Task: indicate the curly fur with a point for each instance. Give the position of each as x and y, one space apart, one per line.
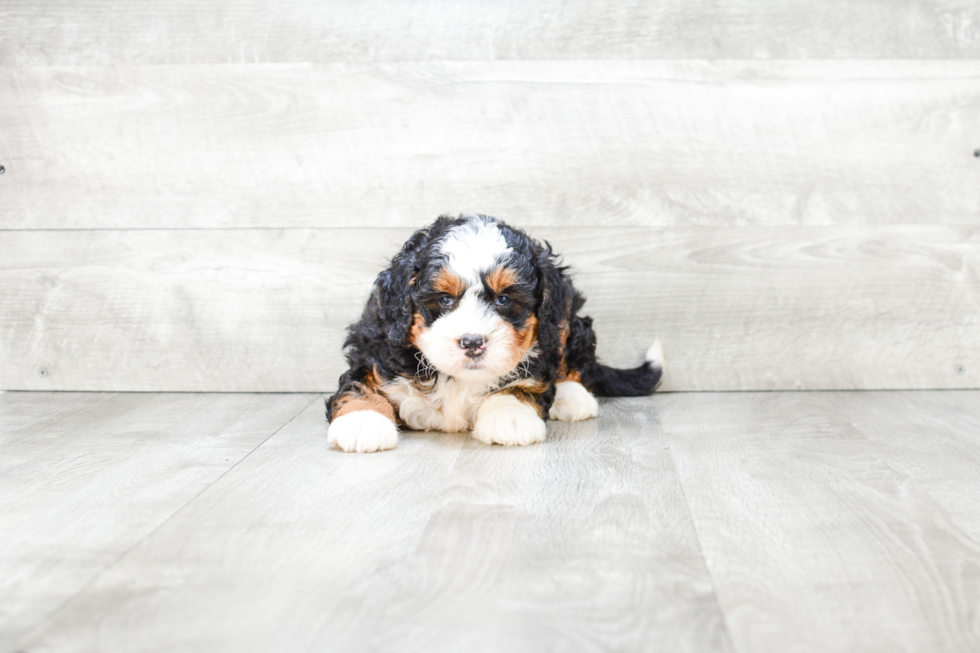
384 350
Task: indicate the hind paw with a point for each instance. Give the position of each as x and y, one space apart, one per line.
573 403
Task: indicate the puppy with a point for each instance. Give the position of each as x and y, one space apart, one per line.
473 326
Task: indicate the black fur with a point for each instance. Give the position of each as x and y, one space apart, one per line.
599 379
378 346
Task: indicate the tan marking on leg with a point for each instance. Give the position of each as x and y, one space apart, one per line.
371 401
373 380
570 375
530 386
563 332
339 403
525 397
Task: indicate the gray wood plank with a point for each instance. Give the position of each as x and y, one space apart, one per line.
826 520
265 310
85 477
582 143
811 308
183 310
217 31
582 543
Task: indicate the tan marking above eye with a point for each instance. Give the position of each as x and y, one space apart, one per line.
446 281
500 279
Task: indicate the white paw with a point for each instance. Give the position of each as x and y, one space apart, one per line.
573 403
363 431
504 419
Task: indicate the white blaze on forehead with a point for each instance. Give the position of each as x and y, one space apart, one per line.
473 248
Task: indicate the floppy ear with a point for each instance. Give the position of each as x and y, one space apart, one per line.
555 291
394 287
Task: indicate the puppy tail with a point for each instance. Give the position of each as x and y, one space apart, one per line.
643 380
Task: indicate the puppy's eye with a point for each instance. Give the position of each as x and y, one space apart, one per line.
446 300
503 300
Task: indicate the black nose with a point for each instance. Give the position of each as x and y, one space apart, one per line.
472 344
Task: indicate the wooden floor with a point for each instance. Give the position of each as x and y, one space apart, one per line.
835 521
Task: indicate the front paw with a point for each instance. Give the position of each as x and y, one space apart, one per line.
506 420
363 431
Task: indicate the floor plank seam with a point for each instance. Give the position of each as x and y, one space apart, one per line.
61 606
704 561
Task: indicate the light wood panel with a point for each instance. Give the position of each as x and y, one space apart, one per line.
265 310
84 478
582 543
219 31
581 143
756 522
183 310
828 521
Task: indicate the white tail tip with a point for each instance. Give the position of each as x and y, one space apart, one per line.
655 354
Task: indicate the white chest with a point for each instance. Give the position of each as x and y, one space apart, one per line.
449 404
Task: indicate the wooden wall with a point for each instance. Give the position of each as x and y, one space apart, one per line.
198 195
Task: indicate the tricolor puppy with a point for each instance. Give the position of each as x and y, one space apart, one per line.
473 326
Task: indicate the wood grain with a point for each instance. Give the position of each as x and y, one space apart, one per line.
584 143
582 543
84 478
90 32
183 310
789 309
265 310
760 522
827 521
